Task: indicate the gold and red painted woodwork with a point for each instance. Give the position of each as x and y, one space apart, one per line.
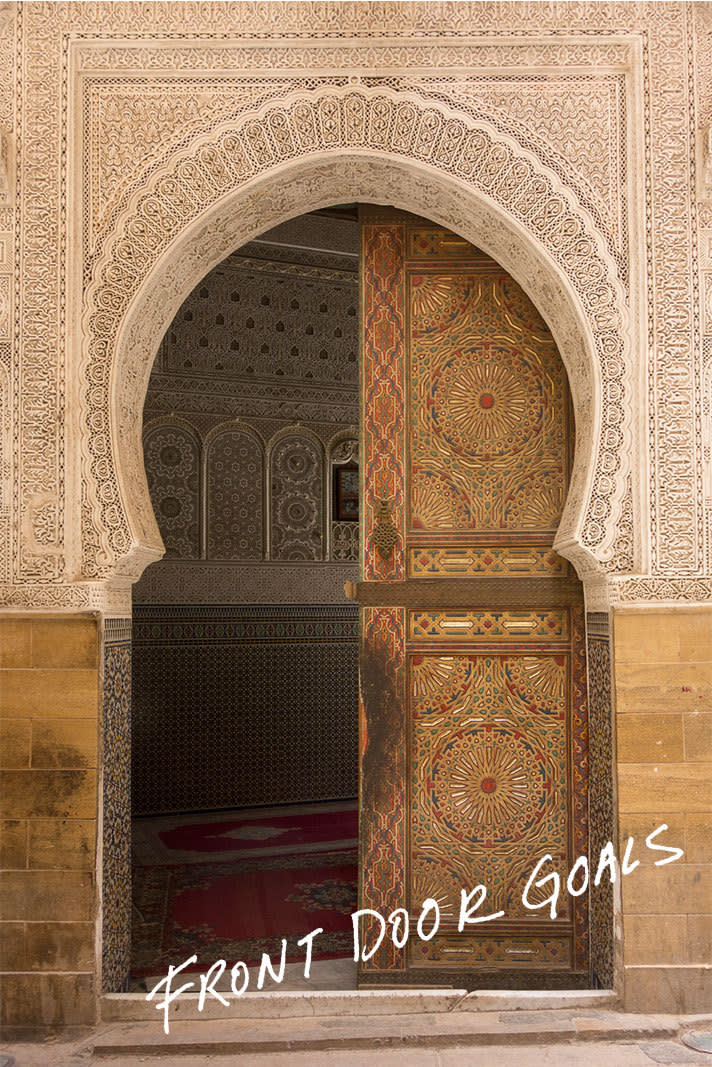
467 451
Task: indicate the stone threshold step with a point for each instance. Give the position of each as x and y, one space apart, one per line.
428 1030
277 1004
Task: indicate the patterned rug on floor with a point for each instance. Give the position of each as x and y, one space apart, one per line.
251 879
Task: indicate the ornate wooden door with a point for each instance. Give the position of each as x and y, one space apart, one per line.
473 716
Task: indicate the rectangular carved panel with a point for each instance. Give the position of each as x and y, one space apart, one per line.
466 625
504 950
471 561
489 780
488 405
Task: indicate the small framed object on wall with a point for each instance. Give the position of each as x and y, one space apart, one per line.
346 494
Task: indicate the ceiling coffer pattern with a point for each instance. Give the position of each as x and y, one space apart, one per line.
257 320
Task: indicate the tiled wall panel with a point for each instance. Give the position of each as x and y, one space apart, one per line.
240 706
116 826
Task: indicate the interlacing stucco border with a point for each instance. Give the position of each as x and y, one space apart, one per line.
321 147
667 111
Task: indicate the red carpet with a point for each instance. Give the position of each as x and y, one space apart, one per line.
174 839
243 903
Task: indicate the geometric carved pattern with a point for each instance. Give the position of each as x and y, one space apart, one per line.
264 737
297 492
473 151
232 500
488 406
463 626
344 541
581 118
172 469
116 806
234 490
269 582
489 737
468 560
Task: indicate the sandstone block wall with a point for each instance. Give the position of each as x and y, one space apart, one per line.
663 687
49 722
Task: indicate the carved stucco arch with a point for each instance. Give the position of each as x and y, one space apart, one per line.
232 425
176 422
307 434
326 147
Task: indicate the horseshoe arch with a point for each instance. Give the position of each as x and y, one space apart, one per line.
313 150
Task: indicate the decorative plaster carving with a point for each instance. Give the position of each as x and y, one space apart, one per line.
5 171
296 477
297 401
663 54
641 590
702 59
234 494
172 457
344 447
706 168
481 158
676 519
538 54
39 371
344 540
5 307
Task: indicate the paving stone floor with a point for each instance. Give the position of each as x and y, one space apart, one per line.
74 1053
645 1054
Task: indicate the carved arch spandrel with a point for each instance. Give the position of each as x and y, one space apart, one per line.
319 149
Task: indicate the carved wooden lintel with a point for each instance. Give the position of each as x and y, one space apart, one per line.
490 593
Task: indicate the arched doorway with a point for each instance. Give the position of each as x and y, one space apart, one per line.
490 191
189 215
465 601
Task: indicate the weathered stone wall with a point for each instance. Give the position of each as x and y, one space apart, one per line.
663 683
49 731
